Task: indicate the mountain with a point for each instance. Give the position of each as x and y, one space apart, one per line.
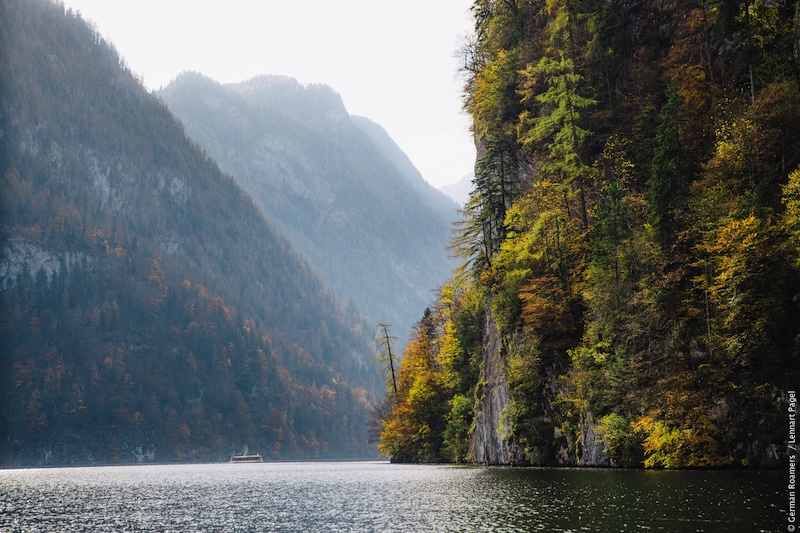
150 312
460 190
427 193
336 186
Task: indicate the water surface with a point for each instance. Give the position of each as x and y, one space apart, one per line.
376 496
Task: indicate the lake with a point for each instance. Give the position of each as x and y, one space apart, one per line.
378 496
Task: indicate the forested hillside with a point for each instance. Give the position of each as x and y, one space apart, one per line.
148 310
631 251
336 186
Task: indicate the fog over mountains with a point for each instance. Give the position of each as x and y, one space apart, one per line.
460 190
337 186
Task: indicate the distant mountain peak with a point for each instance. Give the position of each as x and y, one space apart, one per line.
265 81
284 92
337 186
460 190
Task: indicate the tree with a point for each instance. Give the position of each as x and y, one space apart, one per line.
386 357
496 185
628 231
791 217
414 430
669 177
553 82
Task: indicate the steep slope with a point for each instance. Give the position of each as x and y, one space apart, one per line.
149 311
631 245
427 193
337 186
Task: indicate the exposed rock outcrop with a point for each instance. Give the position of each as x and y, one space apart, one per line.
492 442
487 445
592 451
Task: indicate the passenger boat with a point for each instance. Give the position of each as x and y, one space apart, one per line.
245 458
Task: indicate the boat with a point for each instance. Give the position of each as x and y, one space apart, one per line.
247 458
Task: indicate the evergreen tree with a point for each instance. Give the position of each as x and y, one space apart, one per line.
670 171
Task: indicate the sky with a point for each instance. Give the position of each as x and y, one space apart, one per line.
394 62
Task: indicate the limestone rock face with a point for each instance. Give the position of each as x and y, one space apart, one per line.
592 451
487 444
492 443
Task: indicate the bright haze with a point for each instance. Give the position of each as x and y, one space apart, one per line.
395 63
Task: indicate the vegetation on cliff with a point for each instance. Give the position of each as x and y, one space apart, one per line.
633 232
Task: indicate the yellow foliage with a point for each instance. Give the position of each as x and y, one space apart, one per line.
395 436
487 103
662 444
542 260
449 351
666 446
735 243
791 218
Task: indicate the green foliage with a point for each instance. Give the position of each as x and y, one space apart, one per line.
646 271
481 231
523 414
621 441
670 172
459 425
791 200
494 93
560 130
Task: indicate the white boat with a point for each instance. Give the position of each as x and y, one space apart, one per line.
247 458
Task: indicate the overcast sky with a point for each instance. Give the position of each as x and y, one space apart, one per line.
393 62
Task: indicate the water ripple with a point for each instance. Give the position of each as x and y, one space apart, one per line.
375 496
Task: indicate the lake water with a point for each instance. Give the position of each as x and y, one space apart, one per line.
376 496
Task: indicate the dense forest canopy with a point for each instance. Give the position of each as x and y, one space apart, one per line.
631 245
148 310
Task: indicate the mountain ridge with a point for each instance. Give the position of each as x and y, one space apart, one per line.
460 190
337 186
151 313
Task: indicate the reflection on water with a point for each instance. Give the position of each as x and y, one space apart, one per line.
375 496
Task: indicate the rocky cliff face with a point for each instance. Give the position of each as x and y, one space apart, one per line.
492 442
592 452
488 444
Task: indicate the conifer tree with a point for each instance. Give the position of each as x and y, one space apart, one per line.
669 173
386 357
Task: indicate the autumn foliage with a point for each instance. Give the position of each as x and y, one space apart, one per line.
633 230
